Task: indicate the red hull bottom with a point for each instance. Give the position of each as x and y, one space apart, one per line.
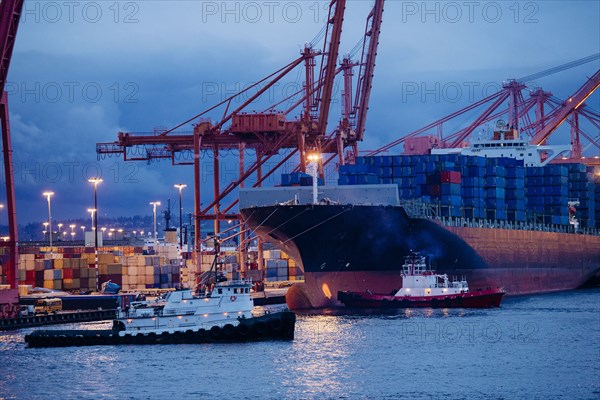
479 299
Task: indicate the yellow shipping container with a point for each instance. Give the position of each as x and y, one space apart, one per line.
106 258
24 290
58 263
48 284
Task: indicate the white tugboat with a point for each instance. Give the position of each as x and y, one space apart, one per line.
182 311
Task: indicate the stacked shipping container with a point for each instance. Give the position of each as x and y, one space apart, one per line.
477 187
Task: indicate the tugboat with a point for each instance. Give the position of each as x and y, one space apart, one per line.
220 312
181 311
423 287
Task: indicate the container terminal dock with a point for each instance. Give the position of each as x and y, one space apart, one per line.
446 169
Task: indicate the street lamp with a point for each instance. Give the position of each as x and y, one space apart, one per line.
60 225
95 181
48 195
72 226
45 229
154 204
83 233
180 186
1 207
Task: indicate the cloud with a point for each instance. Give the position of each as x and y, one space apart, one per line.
79 78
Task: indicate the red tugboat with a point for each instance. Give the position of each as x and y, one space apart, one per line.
423 287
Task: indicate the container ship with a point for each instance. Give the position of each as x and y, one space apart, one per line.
501 212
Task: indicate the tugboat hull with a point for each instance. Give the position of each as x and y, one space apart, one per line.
488 298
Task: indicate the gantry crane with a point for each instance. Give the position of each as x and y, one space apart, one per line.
269 131
548 111
10 14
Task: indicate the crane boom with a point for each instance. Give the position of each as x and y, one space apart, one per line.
10 14
572 104
367 69
328 72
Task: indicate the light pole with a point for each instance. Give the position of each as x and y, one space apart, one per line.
60 225
83 234
45 229
180 186
1 207
48 195
95 181
72 226
92 211
154 204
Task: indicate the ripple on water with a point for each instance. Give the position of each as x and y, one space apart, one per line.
532 347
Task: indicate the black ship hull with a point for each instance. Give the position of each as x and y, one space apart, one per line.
355 248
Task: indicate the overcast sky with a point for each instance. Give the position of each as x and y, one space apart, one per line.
83 71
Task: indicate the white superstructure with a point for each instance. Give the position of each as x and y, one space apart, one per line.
182 311
506 142
419 280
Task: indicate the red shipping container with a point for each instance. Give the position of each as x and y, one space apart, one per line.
450 177
30 276
67 273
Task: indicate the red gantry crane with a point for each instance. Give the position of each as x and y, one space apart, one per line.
267 132
10 14
537 116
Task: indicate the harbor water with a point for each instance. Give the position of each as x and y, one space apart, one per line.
534 347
